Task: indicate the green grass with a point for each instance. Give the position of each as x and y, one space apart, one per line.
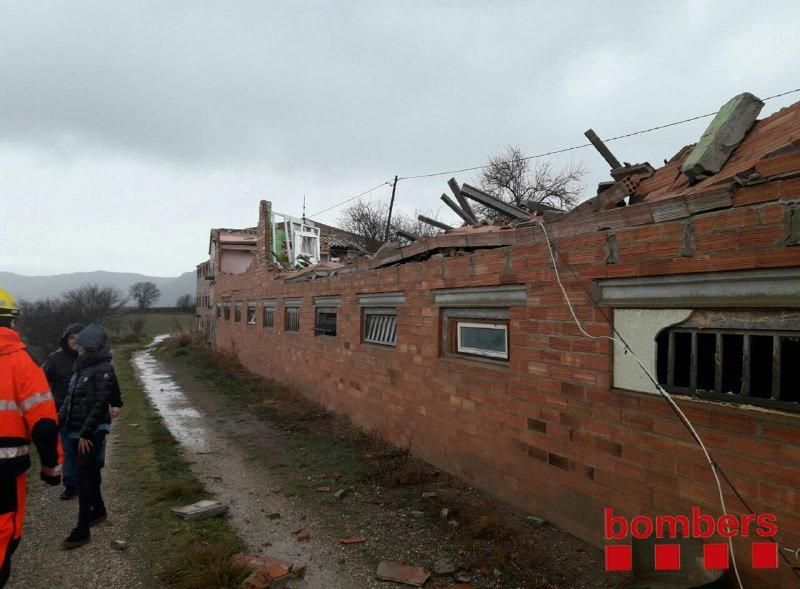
184 554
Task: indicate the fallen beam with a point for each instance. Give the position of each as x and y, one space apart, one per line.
434 222
601 147
453 184
456 209
406 235
493 203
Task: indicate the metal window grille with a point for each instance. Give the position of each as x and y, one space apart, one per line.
380 327
251 314
237 313
325 324
227 312
219 311
292 322
268 318
743 366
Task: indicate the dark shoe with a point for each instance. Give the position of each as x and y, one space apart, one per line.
98 518
69 493
77 537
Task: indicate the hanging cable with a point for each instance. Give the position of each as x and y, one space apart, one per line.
659 388
352 198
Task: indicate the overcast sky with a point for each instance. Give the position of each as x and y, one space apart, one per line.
128 129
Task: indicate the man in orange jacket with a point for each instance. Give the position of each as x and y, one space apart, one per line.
27 412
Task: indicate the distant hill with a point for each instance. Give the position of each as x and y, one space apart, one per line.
39 287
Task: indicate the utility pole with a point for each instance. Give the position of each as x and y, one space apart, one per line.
391 206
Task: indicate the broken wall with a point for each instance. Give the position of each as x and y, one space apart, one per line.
548 432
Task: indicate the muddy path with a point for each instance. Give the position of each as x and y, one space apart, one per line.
215 438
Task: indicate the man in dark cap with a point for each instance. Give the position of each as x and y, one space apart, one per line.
59 368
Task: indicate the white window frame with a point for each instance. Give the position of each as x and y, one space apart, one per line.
478 351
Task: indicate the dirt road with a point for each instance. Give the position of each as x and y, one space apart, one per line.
213 438
39 561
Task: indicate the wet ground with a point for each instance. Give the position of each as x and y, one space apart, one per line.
211 438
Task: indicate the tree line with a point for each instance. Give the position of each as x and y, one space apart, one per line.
42 321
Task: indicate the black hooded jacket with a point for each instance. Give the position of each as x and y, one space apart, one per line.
59 365
93 386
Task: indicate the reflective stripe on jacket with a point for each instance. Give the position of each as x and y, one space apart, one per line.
27 409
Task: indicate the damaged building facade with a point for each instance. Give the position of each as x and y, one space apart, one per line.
463 348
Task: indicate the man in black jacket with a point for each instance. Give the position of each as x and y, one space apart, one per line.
85 414
59 368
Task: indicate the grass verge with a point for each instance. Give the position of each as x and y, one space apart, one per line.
184 554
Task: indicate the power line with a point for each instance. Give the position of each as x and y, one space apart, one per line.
543 154
583 145
351 198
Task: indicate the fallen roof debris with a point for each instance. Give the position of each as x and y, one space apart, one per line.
200 510
401 573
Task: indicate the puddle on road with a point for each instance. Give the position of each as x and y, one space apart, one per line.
183 421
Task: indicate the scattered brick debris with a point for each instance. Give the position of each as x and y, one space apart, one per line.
443 567
324 489
274 576
302 536
200 510
401 573
332 475
353 540
253 562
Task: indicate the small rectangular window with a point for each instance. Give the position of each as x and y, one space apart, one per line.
251 314
292 319
482 339
219 311
227 312
268 317
237 313
479 333
380 327
325 323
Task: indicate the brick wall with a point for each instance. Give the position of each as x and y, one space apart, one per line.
547 433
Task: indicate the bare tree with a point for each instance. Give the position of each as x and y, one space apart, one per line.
512 178
42 322
144 294
185 302
368 219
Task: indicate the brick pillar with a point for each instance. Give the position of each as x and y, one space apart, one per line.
264 249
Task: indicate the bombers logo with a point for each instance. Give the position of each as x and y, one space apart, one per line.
618 557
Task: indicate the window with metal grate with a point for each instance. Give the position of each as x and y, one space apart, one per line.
325 324
730 362
292 319
380 327
268 317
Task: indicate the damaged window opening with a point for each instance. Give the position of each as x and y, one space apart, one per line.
752 366
237 313
326 322
219 311
292 322
226 310
478 334
251 314
380 327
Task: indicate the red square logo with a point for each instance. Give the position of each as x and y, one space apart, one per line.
765 555
715 556
619 557
668 557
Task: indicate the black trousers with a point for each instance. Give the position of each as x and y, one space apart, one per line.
90 464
